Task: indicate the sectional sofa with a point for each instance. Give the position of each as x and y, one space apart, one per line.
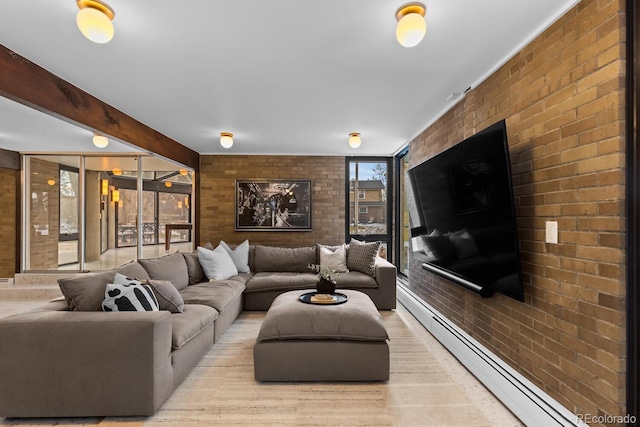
69 358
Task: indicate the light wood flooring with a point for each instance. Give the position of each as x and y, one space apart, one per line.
427 387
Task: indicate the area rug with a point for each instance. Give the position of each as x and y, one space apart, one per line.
427 387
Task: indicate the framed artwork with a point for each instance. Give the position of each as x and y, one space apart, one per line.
273 204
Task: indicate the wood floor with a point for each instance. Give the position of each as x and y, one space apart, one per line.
427 387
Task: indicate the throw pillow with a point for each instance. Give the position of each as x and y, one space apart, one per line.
239 255
167 295
85 293
131 297
362 257
121 279
194 269
333 258
216 264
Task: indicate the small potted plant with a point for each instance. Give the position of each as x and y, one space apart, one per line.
326 278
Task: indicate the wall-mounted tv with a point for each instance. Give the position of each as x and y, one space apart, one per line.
463 217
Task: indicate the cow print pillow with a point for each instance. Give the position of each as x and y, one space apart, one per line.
129 297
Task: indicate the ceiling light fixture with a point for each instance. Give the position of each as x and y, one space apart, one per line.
100 141
184 172
94 20
51 181
116 171
226 139
354 140
411 26
168 184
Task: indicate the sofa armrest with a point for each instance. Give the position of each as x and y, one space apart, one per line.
386 279
69 363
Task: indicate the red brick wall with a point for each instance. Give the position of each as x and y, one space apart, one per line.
563 100
217 197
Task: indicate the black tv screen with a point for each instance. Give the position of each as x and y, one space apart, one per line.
464 216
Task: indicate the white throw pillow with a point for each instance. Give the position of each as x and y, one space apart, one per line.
336 259
129 297
216 264
239 255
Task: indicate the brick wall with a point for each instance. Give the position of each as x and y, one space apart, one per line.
217 197
9 186
563 100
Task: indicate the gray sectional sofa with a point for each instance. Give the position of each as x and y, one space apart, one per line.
70 359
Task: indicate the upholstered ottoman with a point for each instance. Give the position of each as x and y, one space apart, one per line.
307 342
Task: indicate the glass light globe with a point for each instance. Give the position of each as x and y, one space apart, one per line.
100 141
411 29
94 25
226 140
354 140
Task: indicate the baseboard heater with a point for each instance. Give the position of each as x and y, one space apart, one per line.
484 291
527 401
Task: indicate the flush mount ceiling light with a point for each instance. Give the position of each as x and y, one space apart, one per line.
94 20
411 24
226 139
100 141
116 171
354 140
184 172
168 184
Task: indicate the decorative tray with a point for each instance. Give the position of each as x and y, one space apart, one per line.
318 298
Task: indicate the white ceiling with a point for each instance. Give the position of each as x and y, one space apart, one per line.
285 76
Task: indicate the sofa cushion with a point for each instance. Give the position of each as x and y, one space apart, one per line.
194 269
189 323
356 320
239 255
168 296
85 293
216 264
362 257
272 281
170 267
129 297
284 259
219 294
133 270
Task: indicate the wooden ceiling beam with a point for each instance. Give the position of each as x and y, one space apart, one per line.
27 83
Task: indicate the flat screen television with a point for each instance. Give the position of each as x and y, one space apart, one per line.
463 218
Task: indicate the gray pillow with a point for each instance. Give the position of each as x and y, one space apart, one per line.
167 295
362 257
171 267
85 293
216 264
239 255
194 269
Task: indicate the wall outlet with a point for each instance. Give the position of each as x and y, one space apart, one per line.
551 235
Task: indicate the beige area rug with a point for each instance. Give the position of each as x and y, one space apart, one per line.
427 387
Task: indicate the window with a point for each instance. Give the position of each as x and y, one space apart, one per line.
369 214
403 238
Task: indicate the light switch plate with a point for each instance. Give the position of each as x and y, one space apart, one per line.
551 235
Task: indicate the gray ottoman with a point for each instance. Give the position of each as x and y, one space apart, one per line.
306 342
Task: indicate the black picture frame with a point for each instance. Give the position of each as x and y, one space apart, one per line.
273 205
